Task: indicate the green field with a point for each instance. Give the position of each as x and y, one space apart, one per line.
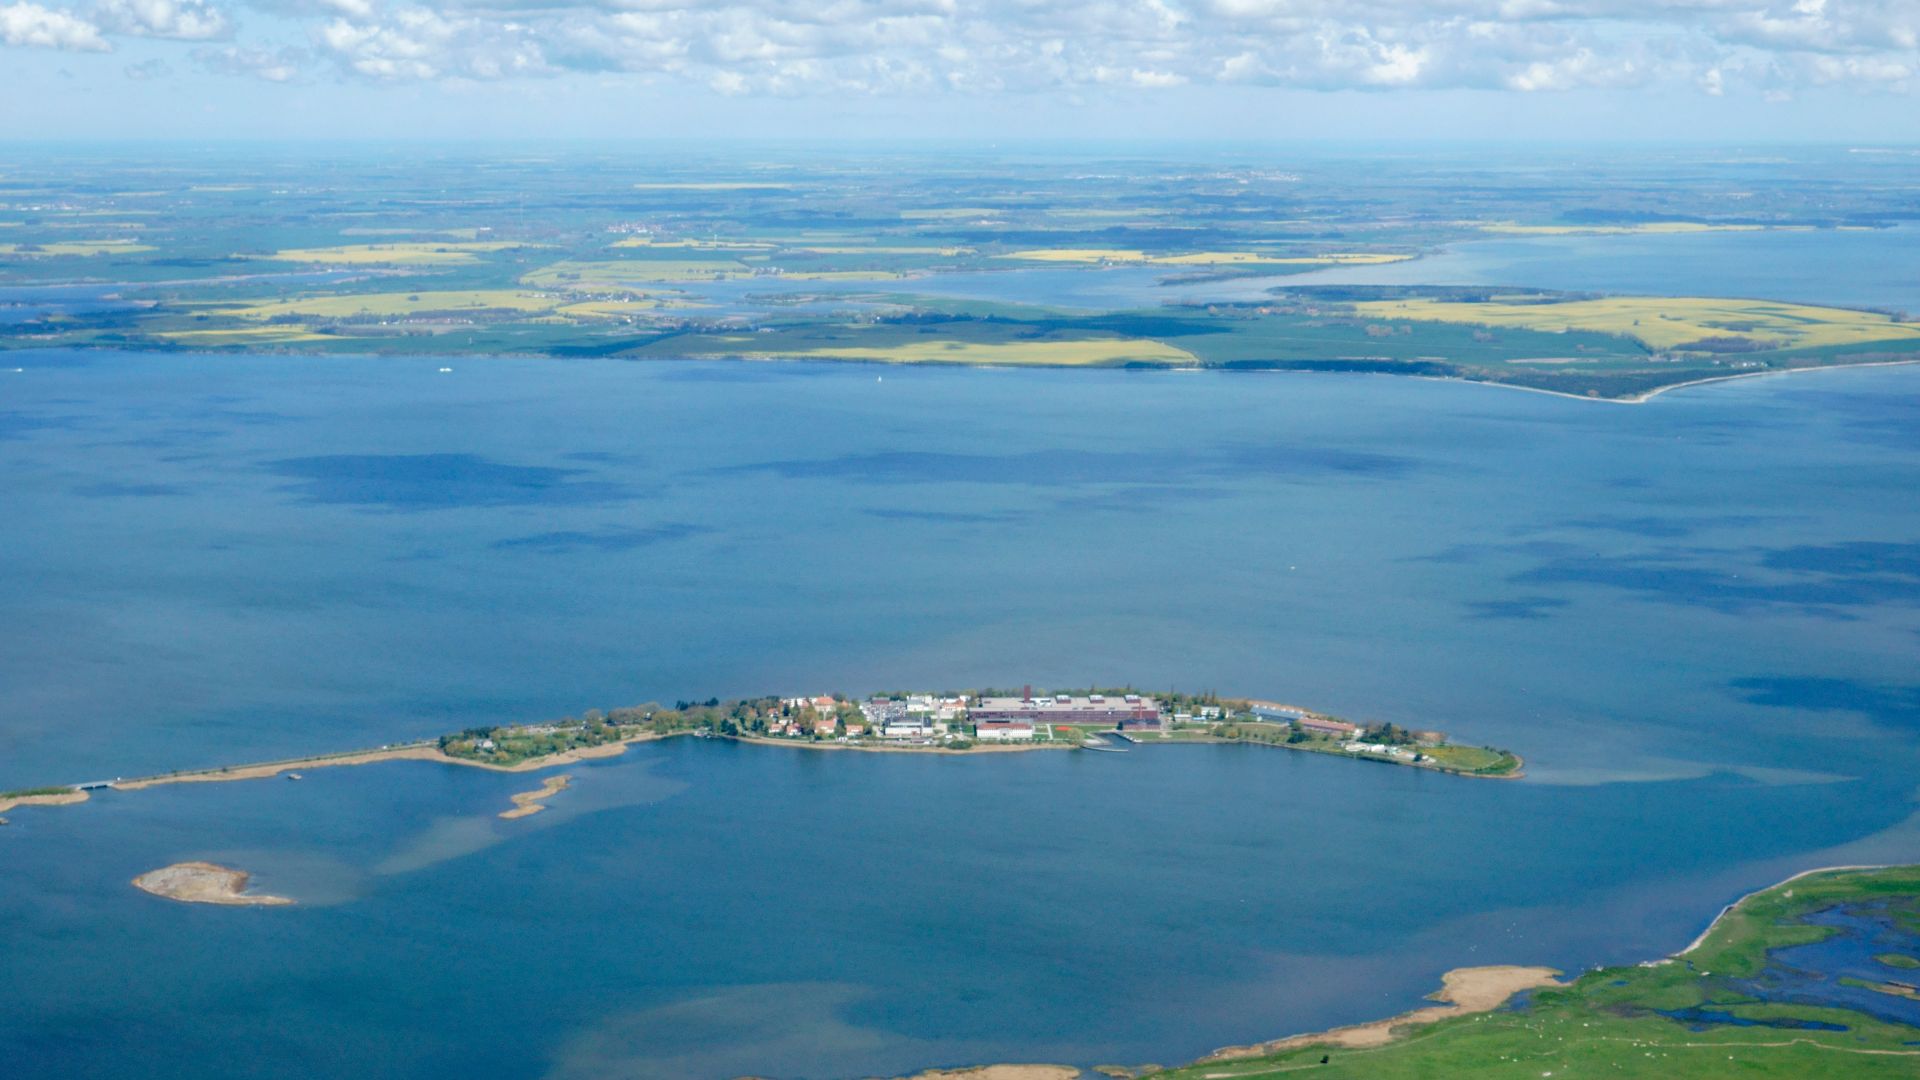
1662 322
683 262
1609 1022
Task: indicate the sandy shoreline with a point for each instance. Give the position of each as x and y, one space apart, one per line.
410 752
1728 910
1463 992
529 803
204 883
1001 1073
1645 396
65 798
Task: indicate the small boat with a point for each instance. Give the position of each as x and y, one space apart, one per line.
295 776
445 370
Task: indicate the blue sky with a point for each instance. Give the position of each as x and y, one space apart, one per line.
1237 69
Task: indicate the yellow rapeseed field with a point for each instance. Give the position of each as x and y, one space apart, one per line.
74 247
405 254
1661 322
393 303
242 335
622 275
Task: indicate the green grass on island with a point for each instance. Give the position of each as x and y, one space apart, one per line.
1706 1015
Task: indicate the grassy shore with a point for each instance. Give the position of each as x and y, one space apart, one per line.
1619 1022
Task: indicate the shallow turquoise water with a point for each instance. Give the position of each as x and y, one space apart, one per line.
1696 618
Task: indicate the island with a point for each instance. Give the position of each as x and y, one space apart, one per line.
1105 719
205 883
1110 720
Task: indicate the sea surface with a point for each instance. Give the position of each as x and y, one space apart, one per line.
1697 619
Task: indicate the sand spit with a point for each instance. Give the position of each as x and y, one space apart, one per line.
204 883
410 752
529 803
1001 1072
1463 991
1645 396
64 798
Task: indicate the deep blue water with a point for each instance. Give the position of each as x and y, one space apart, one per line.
1696 618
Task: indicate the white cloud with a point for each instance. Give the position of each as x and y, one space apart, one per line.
254 61
880 47
183 20
31 24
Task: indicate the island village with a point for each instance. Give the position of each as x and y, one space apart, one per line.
1114 720
985 719
944 719
960 721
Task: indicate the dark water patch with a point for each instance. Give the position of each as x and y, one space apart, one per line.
617 539
1522 607
1842 969
1702 1019
1468 554
1896 706
1661 578
1656 527
19 425
437 481
113 490
1868 559
1048 468
941 517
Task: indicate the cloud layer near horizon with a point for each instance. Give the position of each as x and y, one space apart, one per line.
881 47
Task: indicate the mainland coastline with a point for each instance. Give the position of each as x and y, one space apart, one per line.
1668 1005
